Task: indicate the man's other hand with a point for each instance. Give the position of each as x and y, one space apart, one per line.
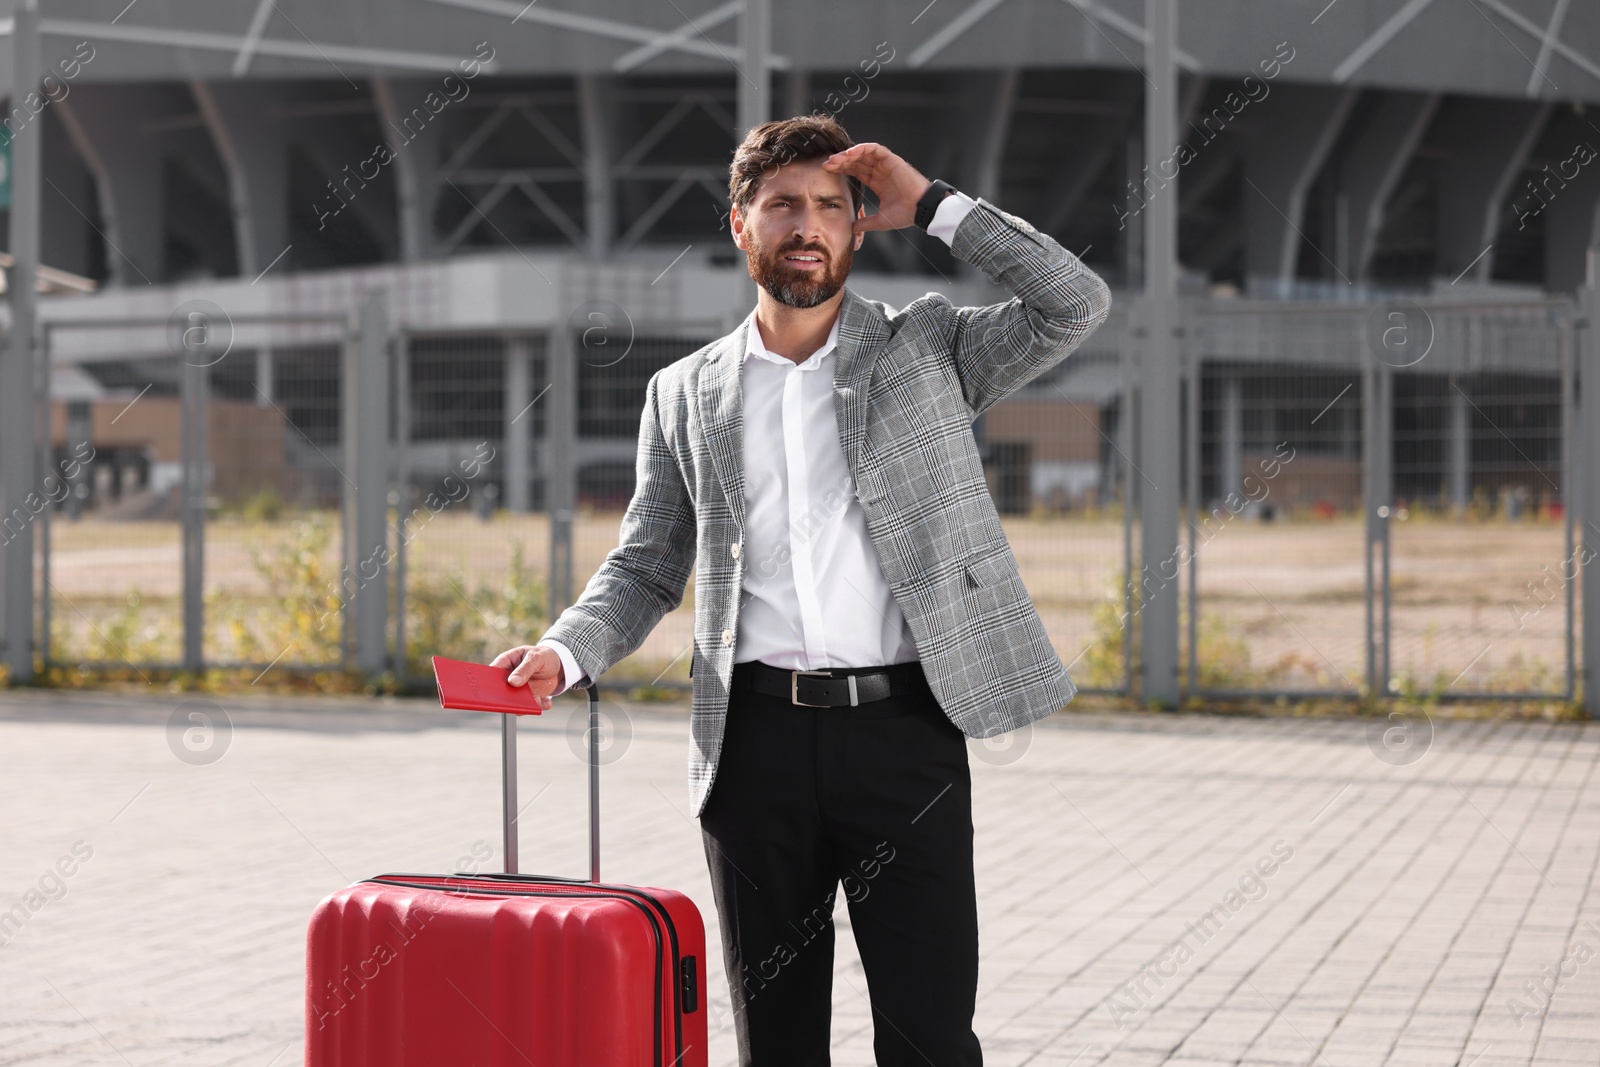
537 666
897 183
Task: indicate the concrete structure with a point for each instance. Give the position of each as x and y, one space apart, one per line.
1367 143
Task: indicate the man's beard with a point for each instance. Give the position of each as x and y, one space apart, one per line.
794 286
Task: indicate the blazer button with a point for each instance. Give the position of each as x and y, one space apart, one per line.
733 550
727 637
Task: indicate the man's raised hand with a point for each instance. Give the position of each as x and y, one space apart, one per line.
536 665
898 184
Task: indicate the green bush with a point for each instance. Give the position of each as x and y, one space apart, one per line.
444 617
300 617
1224 661
136 631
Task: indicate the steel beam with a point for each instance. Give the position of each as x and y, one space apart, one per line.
992 99
1072 184
596 111
415 167
1160 415
1552 33
19 367
797 92
1484 144
321 54
519 423
688 32
560 460
1377 472
1230 435
674 40
365 396
1589 491
338 160
1458 453
1378 39
755 75
194 383
128 179
1571 226
1373 167
1130 249
1286 150
253 146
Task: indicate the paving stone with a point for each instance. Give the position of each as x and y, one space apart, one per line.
1404 908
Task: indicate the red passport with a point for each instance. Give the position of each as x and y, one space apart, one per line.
479 687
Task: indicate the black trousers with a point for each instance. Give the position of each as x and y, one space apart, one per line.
876 800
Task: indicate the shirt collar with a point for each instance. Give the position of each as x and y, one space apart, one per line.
755 348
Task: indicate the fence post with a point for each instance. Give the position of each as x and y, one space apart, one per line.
19 364
1160 442
402 495
1127 465
46 461
560 466
193 386
1377 472
1588 473
1193 372
518 416
366 439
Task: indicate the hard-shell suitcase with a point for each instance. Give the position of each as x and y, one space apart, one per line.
507 970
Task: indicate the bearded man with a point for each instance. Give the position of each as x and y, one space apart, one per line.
858 610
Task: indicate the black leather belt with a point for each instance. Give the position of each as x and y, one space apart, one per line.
836 687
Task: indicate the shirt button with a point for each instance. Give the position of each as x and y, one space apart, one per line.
727 637
734 550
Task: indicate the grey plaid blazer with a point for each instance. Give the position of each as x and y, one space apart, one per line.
907 387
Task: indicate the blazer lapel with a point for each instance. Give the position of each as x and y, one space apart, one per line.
863 331
721 399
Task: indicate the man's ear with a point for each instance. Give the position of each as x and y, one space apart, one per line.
736 226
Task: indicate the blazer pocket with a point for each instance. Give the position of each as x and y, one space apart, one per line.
988 565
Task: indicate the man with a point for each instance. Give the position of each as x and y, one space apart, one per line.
858 612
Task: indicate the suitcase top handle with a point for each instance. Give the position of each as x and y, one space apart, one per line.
508 774
470 677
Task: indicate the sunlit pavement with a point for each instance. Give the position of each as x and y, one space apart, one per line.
1179 890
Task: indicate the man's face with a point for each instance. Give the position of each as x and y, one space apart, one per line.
800 211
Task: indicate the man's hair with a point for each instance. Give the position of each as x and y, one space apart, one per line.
772 144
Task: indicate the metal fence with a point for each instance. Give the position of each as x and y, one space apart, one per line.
1375 488
1379 497
517 460
178 441
1069 518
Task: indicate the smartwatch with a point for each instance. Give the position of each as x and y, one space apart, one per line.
937 191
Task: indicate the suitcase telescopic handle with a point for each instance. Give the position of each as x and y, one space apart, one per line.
508 772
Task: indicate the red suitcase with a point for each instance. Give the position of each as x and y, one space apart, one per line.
414 970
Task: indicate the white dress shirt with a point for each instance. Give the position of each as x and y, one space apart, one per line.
814 595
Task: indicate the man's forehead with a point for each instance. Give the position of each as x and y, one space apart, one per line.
808 178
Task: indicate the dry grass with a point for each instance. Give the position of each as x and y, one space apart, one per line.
1284 599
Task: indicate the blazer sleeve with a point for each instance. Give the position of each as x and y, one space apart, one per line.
1058 302
644 577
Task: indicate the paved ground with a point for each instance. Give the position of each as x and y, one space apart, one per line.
1412 908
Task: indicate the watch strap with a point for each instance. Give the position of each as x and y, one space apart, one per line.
937 191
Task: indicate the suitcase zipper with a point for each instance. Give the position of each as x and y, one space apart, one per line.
683 967
625 893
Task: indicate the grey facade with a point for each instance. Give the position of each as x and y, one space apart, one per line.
1324 146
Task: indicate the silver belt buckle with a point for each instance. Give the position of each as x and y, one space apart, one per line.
794 688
